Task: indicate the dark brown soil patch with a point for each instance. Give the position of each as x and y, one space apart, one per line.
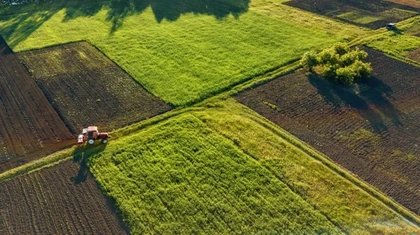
87 88
367 13
63 199
372 129
29 125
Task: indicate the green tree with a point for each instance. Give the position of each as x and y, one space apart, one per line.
338 64
309 60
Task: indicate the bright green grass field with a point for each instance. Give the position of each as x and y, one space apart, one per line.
182 177
181 60
222 170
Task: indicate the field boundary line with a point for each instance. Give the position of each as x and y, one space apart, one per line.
38 164
330 164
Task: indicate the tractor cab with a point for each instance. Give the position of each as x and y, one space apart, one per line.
92 132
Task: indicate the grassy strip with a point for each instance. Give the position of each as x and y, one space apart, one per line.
396 43
36 165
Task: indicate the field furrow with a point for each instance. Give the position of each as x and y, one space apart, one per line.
51 202
86 88
29 125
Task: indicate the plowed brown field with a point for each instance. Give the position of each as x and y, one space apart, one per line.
29 125
372 129
368 13
87 88
63 199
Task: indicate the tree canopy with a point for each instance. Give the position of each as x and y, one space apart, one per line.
338 64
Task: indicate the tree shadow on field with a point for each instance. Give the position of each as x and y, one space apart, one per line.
32 14
81 155
19 27
370 99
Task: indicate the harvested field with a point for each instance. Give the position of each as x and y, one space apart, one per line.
372 129
367 13
87 88
29 126
63 199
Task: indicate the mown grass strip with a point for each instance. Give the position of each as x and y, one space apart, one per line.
36 165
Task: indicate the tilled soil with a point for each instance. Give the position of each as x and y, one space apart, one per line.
63 199
29 125
87 88
372 129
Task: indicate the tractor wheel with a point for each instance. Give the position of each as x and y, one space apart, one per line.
91 141
105 141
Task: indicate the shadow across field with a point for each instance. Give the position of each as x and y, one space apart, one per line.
81 155
370 99
24 19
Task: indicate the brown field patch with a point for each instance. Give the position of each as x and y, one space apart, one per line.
372 129
87 88
411 3
63 199
414 55
29 125
367 13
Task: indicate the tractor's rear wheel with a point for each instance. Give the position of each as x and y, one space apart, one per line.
91 141
105 141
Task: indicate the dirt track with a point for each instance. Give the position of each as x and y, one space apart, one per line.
29 126
87 88
63 199
372 130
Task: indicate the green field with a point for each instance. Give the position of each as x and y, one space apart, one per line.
219 169
182 59
214 167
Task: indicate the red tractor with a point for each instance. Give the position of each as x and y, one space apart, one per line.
90 134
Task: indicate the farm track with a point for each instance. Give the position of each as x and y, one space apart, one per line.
86 88
64 199
373 131
29 126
